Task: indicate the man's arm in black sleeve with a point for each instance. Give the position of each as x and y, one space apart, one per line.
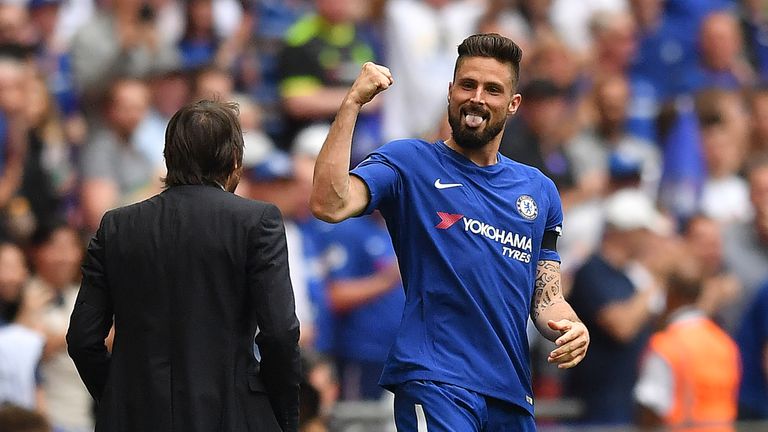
273 303
91 319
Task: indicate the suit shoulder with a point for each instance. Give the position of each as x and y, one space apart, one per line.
250 208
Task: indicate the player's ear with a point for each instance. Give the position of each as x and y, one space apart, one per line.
514 104
450 87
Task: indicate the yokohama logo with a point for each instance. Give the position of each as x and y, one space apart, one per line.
447 220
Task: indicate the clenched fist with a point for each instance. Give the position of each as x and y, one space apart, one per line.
373 79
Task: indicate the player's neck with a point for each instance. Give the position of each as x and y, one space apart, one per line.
486 155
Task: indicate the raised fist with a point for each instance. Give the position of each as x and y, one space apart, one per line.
373 79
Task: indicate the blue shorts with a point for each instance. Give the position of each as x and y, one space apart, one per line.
428 406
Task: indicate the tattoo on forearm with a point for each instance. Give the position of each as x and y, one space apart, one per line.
547 286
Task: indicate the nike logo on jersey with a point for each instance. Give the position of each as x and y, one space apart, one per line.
446 185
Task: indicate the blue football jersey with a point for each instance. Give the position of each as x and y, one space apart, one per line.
468 239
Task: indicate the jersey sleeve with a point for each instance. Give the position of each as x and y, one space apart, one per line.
554 221
380 173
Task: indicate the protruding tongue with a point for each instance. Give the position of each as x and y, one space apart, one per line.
473 120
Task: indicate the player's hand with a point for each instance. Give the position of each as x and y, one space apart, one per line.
373 79
571 345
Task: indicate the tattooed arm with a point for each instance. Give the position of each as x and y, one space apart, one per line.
555 319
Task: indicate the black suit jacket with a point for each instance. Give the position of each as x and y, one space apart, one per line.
189 275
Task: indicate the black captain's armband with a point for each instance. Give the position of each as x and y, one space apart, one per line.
549 241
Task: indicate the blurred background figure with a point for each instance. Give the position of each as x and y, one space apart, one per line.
720 287
17 419
119 40
420 40
169 90
677 385
115 171
746 245
618 293
212 82
56 255
752 338
320 59
537 137
366 297
592 149
724 140
271 176
21 336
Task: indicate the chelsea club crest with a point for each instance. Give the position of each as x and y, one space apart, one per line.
527 208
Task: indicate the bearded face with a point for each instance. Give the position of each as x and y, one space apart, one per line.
480 99
472 126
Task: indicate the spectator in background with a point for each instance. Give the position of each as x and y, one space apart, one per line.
14 142
366 297
272 179
678 385
320 392
618 297
616 46
535 137
720 287
120 40
115 171
212 82
420 41
572 20
56 253
614 36
507 18
322 54
721 64
758 104
49 175
752 338
21 339
170 90
551 59
591 150
54 62
755 22
746 245
650 66
199 43
725 194
17 419
15 27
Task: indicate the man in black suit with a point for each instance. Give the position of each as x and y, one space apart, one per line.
189 277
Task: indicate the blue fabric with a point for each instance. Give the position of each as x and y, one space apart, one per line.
448 408
752 339
684 169
358 248
668 54
606 377
758 35
643 108
196 53
60 79
312 243
468 257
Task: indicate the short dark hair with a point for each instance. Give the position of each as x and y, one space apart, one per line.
495 46
203 144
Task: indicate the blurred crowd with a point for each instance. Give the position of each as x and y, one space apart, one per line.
651 116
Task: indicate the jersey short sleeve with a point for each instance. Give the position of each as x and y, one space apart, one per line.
554 222
379 171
